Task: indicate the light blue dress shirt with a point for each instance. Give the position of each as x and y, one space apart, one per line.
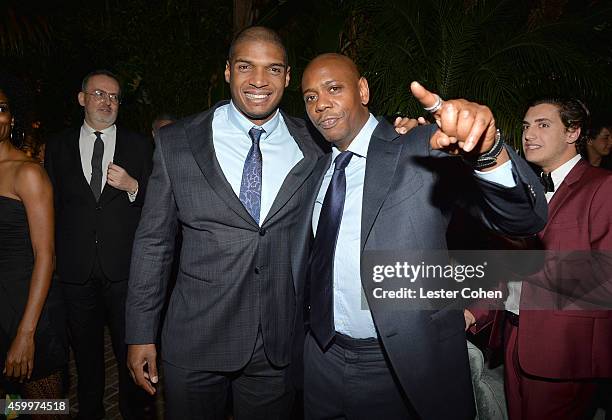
349 317
279 151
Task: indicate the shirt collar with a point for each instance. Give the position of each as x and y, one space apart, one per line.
361 142
90 131
242 123
559 174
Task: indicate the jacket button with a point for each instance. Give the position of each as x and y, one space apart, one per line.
262 232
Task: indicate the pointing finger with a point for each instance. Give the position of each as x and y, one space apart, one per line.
425 97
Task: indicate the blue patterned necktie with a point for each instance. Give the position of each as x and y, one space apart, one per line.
250 187
323 251
96 166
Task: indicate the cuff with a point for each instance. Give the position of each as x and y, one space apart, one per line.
132 195
501 175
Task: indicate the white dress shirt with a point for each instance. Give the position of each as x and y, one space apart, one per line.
513 301
86 146
279 151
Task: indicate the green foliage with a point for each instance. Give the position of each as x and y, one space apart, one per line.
492 52
170 54
22 27
308 29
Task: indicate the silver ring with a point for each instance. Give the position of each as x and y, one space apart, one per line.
435 107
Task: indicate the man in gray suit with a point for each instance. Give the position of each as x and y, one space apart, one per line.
387 192
234 180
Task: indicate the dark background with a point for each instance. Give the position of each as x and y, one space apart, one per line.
170 54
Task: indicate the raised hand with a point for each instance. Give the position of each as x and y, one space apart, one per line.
464 126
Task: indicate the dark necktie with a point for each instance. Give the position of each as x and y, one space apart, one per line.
546 180
250 187
96 166
323 250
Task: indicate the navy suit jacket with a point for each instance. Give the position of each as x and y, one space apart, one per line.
410 192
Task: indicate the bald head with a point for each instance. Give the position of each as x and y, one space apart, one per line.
257 34
336 98
332 59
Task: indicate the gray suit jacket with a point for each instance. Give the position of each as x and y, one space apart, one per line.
234 276
409 194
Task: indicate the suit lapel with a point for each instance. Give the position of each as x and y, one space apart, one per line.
121 158
566 190
300 172
381 164
319 172
320 169
199 137
74 163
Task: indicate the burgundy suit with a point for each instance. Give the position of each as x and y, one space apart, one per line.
554 358
580 218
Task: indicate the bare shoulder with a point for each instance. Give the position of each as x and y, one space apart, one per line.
30 168
31 177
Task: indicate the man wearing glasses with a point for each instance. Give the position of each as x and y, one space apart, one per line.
99 173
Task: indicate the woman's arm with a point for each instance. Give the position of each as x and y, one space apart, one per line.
34 189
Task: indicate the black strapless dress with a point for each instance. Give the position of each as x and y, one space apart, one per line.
16 263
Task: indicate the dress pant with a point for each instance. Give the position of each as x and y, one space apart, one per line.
89 307
605 398
260 391
534 398
351 380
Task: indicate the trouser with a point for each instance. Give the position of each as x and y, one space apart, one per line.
535 398
89 307
351 380
259 390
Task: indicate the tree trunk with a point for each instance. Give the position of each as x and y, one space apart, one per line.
243 14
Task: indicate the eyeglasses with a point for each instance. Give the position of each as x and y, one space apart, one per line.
101 96
4 108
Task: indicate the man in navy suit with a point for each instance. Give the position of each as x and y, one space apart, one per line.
387 192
